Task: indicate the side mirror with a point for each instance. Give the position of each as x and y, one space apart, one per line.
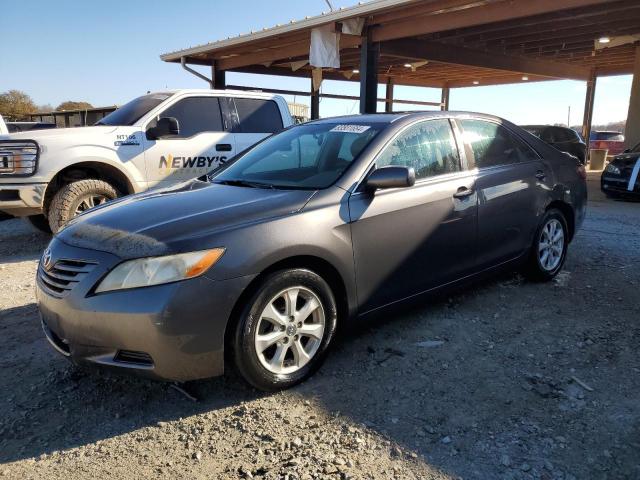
627 150
391 177
165 127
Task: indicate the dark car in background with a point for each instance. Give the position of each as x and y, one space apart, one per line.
563 138
606 140
621 177
318 225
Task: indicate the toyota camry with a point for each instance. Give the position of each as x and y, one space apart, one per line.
314 227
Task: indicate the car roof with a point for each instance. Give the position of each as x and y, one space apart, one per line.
388 118
209 91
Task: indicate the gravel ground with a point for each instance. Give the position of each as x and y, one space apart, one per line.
507 379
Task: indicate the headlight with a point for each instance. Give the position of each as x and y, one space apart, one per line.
144 272
18 158
611 168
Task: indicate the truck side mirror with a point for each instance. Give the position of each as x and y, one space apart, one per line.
165 127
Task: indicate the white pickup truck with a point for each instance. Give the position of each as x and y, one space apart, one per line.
159 139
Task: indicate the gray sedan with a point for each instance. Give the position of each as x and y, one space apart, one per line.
312 228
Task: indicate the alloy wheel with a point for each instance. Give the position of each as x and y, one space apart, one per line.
290 330
551 245
90 201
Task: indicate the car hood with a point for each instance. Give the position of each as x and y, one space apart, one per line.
164 221
49 133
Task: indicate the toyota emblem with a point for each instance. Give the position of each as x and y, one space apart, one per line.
46 259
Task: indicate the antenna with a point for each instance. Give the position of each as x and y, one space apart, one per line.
330 6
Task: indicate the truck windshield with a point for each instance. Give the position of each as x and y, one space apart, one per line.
309 156
131 112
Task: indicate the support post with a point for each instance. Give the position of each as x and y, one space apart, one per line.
219 77
588 107
388 104
369 53
315 102
632 129
444 98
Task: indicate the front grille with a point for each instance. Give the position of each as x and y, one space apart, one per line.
60 278
137 358
18 158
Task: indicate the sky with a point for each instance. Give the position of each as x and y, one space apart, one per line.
107 53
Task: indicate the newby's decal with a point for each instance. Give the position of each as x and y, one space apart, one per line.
171 162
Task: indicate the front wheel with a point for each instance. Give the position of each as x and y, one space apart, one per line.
549 249
77 197
285 329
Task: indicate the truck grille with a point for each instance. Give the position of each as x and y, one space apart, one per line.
18 158
60 278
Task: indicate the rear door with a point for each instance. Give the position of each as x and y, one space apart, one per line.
253 119
510 187
204 142
408 240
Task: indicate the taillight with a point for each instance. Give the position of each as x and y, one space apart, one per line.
582 172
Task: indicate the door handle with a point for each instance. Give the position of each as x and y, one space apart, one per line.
223 147
540 175
463 192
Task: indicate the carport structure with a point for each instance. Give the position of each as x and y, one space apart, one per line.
444 44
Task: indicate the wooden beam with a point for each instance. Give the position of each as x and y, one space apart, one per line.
478 15
444 98
315 102
439 52
388 104
270 55
588 108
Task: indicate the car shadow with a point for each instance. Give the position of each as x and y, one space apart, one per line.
20 241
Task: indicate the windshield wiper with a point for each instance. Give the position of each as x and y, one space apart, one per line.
244 183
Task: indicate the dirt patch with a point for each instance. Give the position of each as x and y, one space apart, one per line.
507 379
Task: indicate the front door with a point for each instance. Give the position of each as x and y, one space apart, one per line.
510 186
202 144
409 240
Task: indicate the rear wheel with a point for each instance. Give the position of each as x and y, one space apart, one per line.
77 197
39 222
549 249
285 329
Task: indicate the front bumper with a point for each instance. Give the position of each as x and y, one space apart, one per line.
170 332
22 199
618 185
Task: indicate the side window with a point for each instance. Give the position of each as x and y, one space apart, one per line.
492 144
258 116
196 115
429 147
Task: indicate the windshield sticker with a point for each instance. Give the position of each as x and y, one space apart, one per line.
350 128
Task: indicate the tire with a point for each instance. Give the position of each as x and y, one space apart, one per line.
39 222
540 268
69 199
282 337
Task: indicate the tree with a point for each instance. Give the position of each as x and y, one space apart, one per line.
16 105
71 105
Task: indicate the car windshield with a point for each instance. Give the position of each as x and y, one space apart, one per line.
309 156
131 112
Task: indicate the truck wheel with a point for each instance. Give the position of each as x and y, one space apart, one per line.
39 222
77 197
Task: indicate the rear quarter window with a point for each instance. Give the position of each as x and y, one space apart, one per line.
258 116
